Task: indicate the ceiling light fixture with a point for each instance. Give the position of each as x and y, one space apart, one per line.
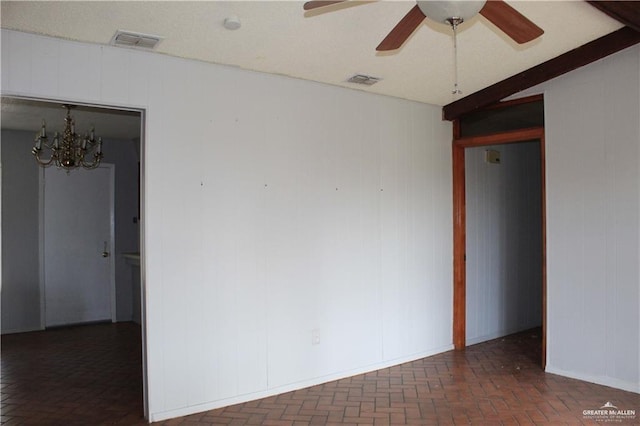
443 11
69 153
454 13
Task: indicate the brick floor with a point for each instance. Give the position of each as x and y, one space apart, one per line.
85 375
91 375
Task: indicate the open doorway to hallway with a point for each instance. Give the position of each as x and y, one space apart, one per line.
504 240
499 224
27 293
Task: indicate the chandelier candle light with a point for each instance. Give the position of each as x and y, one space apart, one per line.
70 152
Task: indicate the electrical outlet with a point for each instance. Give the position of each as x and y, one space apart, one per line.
315 336
492 156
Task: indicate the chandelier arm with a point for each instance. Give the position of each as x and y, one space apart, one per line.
47 145
90 146
94 164
44 163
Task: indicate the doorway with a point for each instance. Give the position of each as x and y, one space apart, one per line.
491 138
23 295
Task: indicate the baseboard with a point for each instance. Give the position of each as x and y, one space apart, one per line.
21 330
185 411
498 334
600 380
77 324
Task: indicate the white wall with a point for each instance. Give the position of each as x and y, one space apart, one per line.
504 241
593 227
21 226
273 207
20 234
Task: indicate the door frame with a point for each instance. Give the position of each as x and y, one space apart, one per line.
459 223
111 248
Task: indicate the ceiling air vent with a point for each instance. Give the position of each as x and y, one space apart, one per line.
131 39
367 80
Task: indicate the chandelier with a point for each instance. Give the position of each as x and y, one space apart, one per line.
70 150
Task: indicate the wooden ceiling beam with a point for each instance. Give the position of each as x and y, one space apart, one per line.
569 61
626 12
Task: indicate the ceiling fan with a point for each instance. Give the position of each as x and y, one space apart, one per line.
454 12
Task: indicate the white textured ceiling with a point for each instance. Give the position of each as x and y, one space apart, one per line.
279 37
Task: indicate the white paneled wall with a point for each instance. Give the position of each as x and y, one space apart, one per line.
593 227
504 241
273 207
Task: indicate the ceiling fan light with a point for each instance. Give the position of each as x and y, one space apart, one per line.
442 11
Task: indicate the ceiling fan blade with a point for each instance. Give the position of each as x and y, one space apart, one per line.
510 21
401 32
310 5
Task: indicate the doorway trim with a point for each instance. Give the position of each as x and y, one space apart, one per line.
459 223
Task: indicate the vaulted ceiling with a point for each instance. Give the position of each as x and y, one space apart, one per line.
330 44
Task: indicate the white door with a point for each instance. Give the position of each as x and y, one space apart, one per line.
79 285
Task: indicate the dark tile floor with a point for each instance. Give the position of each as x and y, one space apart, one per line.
91 375
84 375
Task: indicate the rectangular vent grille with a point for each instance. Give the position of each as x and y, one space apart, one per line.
131 39
367 80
